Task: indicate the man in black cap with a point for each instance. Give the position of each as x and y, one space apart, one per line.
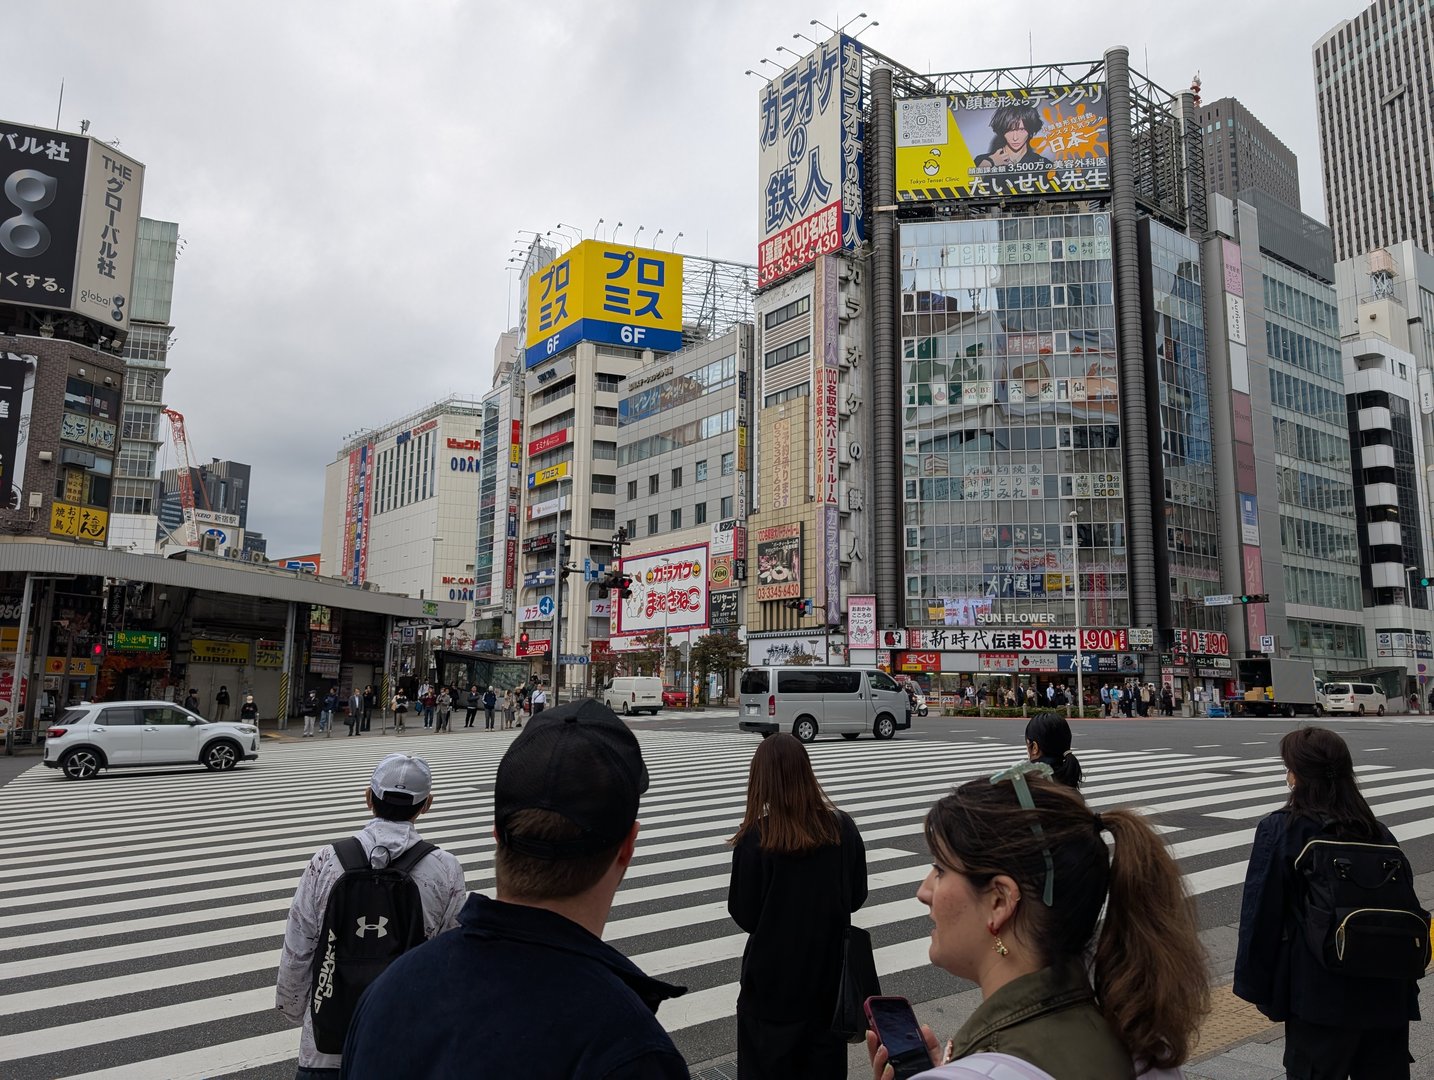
526 986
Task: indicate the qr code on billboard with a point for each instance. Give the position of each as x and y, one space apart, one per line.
921 121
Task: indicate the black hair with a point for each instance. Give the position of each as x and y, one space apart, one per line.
1051 732
1013 116
392 810
1325 788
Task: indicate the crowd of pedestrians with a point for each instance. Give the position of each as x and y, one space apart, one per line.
1073 923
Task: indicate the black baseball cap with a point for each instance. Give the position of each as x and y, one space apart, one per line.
578 761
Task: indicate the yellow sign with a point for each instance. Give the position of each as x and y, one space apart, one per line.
74 484
79 665
81 522
548 475
268 654
611 293
205 651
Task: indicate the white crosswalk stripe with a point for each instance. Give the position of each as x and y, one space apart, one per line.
140 925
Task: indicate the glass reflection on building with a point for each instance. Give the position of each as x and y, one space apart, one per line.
1011 419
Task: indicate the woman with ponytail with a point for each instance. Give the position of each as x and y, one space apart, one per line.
1020 870
1048 739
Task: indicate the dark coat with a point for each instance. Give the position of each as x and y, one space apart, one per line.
795 909
513 991
1276 970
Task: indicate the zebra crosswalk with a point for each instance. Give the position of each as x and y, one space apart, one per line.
141 919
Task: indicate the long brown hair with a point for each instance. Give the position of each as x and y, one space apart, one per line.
1149 967
785 803
1325 789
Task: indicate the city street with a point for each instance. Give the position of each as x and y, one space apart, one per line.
144 911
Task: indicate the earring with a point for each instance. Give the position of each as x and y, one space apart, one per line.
1000 947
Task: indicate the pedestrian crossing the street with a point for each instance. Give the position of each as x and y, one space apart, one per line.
141 914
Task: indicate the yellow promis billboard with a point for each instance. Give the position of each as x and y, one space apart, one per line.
1043 140
612 293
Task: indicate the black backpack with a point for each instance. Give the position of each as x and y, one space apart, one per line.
1360 913
373 916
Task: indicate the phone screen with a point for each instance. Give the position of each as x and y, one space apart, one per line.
897 1028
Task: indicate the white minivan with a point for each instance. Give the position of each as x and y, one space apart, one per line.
1352 697
809 701
629 694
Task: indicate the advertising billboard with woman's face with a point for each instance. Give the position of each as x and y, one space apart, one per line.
1043 140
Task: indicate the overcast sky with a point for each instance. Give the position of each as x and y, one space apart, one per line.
351 177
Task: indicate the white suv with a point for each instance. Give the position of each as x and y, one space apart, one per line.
115 734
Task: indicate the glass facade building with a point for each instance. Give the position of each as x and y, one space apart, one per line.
1011 419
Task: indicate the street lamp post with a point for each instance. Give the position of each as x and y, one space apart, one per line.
1079 658
433 576
1409 591
666 623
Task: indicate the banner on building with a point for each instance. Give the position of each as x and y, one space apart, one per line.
610 293
17 390
779 562
669 590
1040 140
810 165
861 622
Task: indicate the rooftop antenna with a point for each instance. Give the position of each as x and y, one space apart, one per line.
59 104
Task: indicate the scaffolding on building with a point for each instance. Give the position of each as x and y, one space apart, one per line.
716 296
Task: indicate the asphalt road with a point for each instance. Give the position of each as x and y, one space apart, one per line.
144 909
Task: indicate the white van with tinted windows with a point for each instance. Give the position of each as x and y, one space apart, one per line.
1352 697
812 701
629 694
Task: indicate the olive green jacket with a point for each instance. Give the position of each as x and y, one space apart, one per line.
1050 1019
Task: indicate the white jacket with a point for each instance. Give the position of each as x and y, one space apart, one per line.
990 1066
438 876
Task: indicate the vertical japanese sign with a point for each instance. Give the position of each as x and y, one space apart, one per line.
811 160
17 389
825 298
611 293
1042 140
109 230
861 622
42 193
356 515
780 492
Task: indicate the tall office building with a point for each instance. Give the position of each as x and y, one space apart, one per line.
1374 81
134 515
1241 153
221 506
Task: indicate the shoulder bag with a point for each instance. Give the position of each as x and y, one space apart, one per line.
859 980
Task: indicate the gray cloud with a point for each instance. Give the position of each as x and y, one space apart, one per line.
350 177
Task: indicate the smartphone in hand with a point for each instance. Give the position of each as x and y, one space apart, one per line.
897 1029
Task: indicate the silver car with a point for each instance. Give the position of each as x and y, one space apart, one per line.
119 734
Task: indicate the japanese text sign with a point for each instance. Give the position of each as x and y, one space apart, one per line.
669 590
810 160
779 562
81 522
861 622
1042 140
610 293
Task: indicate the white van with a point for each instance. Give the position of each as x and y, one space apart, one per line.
1352 697
808 701
629 694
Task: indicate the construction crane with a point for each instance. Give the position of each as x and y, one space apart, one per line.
186 480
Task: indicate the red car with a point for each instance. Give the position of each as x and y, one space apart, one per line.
674 697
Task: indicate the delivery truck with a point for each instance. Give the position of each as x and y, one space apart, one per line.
1275 687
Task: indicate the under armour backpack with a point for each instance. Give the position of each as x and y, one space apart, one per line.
1360 913
373 916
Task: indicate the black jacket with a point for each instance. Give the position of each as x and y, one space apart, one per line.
1275 969
514 991
795 909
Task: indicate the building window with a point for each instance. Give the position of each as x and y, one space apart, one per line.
726 507
602 519
699 514
800 306
788 394
632 491
800 347
609 384
631 528
652 484
677 477
729 463
604 485
605 451
677 518
701 471
651 524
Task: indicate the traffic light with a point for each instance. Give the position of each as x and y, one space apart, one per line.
1425 582
802 605
1253 598
523 638
97 650
624 585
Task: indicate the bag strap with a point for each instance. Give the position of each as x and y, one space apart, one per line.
405 863
351 854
